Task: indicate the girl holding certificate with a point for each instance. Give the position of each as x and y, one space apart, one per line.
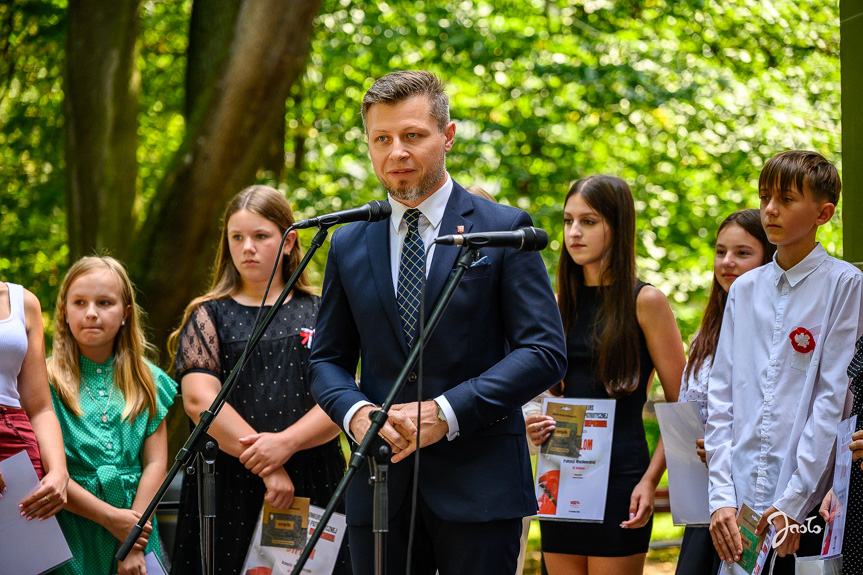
620 331
274 441
27 421
741 246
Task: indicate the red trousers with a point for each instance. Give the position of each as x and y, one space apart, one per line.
16 434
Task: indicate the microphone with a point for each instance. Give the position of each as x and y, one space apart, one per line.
524 239
374 211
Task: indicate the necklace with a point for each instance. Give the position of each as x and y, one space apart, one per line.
96 403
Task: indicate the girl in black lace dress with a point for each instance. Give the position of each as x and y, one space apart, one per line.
274 441
620 331
852 544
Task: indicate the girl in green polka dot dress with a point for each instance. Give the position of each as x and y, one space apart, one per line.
111 404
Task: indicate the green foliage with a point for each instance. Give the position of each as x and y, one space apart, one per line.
685 100
32 219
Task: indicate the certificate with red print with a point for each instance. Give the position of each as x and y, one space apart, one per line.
572 468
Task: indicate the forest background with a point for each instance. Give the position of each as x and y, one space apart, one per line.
126 125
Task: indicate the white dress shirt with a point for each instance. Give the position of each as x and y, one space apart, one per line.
432 209
773 410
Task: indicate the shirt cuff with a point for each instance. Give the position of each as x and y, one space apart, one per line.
451 419
346 424
720 497
795 506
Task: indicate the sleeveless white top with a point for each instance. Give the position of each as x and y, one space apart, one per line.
13 347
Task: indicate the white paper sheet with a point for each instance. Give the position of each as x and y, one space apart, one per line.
680 425
834 531
26 547
262 560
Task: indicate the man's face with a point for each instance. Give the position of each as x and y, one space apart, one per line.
407 150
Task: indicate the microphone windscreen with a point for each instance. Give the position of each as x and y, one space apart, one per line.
379 210
535 239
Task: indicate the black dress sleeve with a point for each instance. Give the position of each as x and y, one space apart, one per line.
198 349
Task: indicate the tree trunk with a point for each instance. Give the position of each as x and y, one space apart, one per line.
101 107
226 139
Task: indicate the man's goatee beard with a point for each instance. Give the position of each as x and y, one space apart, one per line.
413 194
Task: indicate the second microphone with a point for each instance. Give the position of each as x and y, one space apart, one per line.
524 239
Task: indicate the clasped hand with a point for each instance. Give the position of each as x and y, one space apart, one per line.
265 456
265 452
400 430
121 522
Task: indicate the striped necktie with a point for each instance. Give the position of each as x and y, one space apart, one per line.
411 276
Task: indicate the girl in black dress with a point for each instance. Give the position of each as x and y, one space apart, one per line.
852 543
275 441
620 332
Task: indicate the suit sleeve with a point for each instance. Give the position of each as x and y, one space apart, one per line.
534 335
336 351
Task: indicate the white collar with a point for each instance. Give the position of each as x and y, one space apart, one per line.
803 268
432 207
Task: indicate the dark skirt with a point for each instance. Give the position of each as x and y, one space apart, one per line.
606 539
239 497
697 554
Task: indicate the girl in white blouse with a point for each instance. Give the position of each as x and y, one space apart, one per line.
741 245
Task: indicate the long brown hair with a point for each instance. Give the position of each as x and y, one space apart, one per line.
616 327
704 343
132 375
268 203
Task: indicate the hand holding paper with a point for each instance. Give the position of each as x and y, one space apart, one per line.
539 427
783 524
726 534
48 499
133 565
29 547
856 447
699 449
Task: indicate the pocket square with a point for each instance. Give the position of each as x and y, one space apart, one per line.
483 261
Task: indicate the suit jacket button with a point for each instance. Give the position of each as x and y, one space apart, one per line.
412 377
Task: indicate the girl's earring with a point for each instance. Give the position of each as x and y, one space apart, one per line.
123 322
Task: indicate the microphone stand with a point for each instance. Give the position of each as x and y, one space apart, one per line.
378 418
198 439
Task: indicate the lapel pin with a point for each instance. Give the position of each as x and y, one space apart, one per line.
459 229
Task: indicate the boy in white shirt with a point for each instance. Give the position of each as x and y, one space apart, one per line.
778 386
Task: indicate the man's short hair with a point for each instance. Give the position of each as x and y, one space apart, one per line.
399 86
798 167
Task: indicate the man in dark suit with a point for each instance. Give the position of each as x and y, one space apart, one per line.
498 344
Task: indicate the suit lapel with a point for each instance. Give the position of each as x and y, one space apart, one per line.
445 257
378 249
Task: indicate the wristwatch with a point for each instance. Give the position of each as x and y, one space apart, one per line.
440 414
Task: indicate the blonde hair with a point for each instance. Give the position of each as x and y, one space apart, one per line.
132 375
270 204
